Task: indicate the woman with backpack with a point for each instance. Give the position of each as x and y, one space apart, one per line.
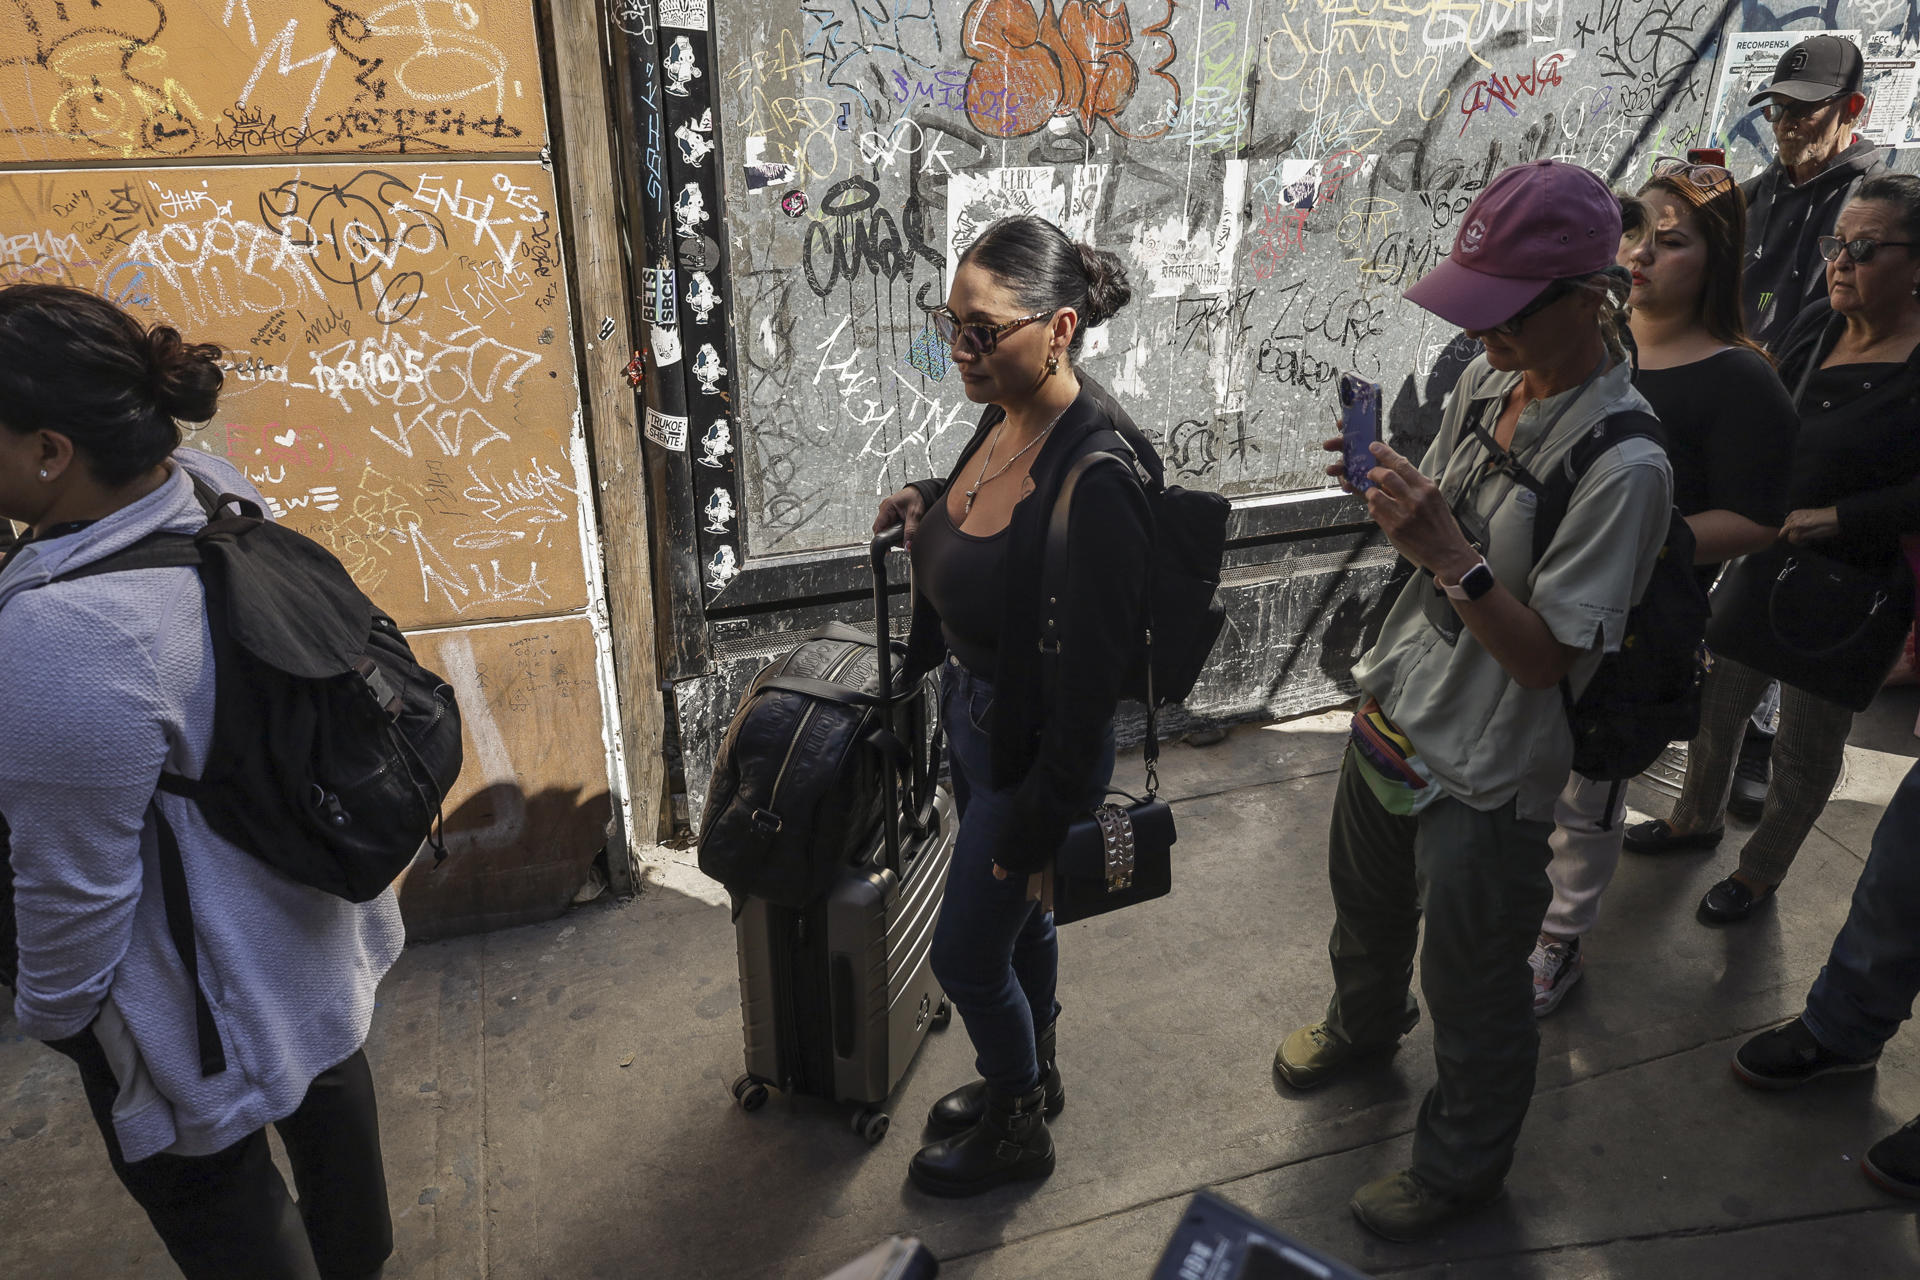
110 683
1030 750
1853 493
1729 427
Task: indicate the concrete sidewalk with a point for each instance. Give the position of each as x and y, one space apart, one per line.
554 1099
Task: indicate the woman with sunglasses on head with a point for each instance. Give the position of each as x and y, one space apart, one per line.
1853 492
1030 750
1729 427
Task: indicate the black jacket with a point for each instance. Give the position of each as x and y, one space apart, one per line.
1048 746
1863 458
1784 271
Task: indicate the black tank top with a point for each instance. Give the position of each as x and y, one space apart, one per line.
964 577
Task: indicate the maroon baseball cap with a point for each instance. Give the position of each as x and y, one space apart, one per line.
1534 224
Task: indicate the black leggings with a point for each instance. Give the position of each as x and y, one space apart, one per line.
227 1216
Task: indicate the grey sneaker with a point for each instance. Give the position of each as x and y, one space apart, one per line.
1556 967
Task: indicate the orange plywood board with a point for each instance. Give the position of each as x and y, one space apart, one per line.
153 79
530 810
400 363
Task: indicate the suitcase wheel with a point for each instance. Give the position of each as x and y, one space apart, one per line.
942 1016
749 1093
871 1124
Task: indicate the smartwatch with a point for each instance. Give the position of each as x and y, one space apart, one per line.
1473 584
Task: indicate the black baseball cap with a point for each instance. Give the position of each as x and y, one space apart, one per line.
1814 70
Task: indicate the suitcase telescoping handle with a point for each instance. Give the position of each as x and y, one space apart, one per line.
884 542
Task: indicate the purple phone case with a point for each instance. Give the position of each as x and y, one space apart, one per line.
1359 427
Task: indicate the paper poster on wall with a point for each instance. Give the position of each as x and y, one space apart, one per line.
1747 68
688 15
977 200
1182 257
666 345
668 430
1892 74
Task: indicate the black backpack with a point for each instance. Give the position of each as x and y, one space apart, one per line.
1646 694
798 783
1184 613
333 749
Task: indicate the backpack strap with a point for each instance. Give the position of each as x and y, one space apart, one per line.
155 551
1053 585
173 893
1556 495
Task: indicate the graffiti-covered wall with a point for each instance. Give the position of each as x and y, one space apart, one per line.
353 202
1273 172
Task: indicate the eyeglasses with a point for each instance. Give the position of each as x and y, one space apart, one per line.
1705 176
1862 250
1548 296
1778 111
979 339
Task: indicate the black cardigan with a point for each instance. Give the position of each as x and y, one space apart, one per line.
1863 458
1048 748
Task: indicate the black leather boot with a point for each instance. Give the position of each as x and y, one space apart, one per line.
1010 1144
962 1109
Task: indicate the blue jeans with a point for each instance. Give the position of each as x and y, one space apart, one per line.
995 951
1872 974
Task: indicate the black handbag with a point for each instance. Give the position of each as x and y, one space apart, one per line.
1117 855
1813 622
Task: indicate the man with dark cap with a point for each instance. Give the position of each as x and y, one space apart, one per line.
1812 104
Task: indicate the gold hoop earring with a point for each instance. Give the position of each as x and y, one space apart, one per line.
1053 365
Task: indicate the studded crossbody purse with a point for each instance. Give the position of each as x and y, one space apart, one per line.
1120 853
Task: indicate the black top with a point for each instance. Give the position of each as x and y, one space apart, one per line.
1047 738
1730 426
1859 445
961 575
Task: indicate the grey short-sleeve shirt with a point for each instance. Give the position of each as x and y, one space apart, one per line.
1486 739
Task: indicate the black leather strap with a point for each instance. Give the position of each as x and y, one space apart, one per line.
824 690
173 893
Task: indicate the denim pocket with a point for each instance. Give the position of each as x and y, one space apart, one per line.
980 709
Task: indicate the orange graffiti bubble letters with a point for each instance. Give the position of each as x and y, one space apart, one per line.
1078 63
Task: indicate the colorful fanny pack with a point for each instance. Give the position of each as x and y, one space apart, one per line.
1393 770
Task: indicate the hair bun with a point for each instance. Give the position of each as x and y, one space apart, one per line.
1108 289
183 377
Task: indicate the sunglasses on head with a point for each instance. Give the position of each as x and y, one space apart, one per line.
1861 250
1707 177
1777 111
1548 296
979 339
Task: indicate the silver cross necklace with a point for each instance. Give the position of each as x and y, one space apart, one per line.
983 479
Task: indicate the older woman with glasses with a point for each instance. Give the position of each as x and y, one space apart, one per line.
1729 425
1029 750
1853 493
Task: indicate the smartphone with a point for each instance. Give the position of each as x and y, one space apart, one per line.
1359 427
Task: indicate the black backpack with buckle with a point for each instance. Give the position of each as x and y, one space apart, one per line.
333 749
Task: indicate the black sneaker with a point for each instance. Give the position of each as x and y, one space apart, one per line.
1750 771
1790 1055
1893 1163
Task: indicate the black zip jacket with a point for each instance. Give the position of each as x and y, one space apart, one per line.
1861 458
1047 743
1784 270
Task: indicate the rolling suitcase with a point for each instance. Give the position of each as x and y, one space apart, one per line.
836 995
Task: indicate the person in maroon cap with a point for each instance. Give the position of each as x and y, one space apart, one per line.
1446 796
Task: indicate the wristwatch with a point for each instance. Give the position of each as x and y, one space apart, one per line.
1473 584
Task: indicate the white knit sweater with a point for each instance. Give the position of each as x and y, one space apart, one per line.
108 680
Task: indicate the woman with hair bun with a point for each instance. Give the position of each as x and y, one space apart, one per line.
1028 755
110 682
